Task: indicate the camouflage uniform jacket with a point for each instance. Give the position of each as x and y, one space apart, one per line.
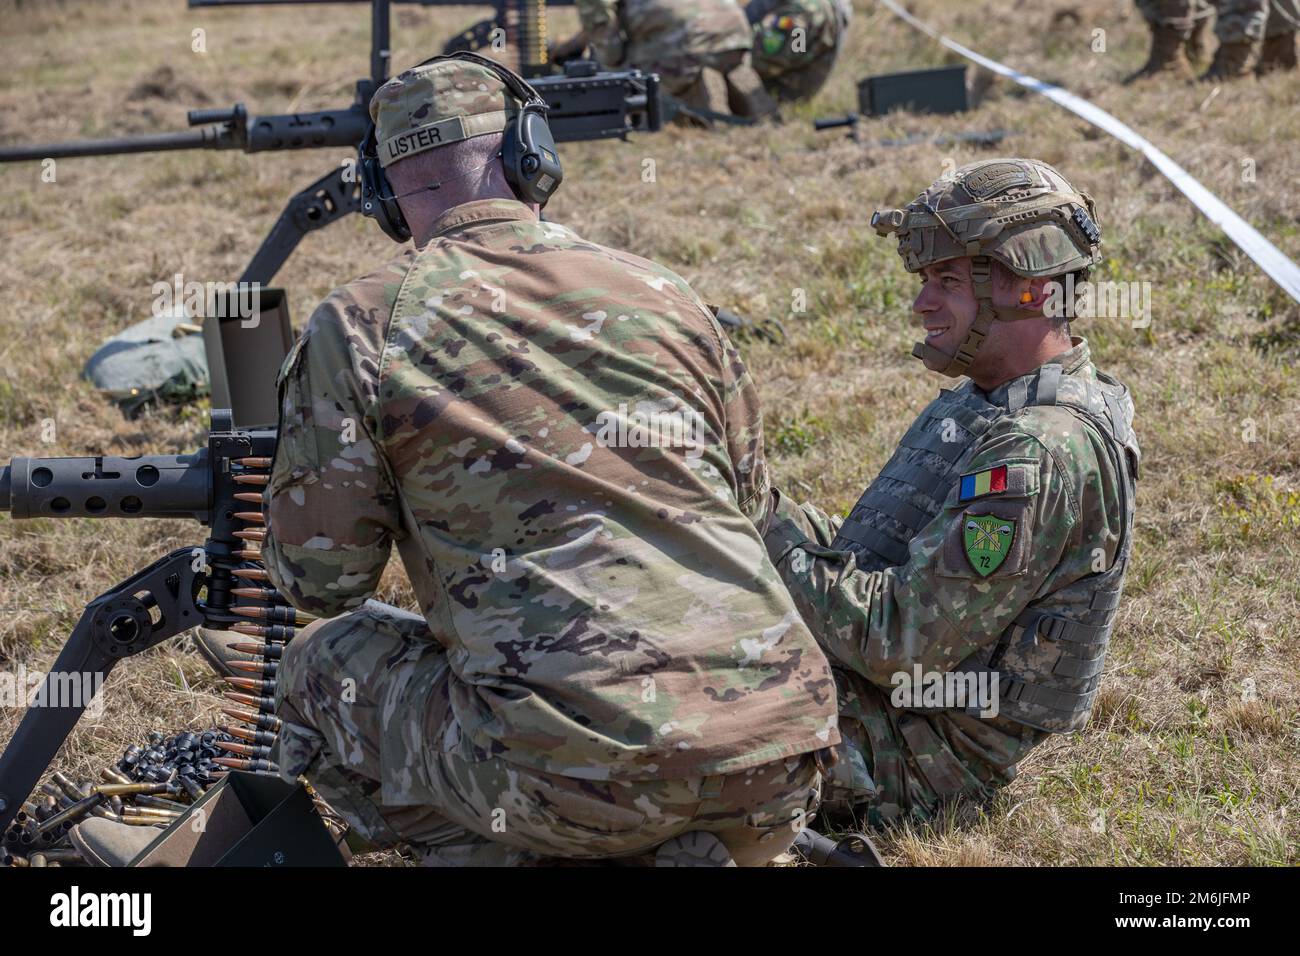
568 452
662 30
936 610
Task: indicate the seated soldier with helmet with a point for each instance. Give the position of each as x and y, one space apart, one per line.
990 551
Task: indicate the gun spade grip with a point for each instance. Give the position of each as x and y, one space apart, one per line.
150 486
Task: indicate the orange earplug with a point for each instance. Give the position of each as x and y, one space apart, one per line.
1026 297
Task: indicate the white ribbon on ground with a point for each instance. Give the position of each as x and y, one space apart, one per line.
1266 255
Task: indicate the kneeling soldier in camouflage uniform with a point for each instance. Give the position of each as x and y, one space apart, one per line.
679 40
796 43
567 451
991 549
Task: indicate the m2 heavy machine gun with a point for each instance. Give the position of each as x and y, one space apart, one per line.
585 104
219 486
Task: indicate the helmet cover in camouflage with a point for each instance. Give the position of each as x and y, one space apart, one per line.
1021 212
437 103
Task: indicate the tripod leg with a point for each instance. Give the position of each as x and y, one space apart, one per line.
117 624
333 196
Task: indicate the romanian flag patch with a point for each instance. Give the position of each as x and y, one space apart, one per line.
990 482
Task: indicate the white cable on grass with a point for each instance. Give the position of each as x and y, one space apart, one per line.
1266 255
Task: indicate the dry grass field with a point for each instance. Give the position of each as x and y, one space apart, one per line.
1191 756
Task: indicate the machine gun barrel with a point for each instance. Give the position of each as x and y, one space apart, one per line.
158 142
585 104
106 486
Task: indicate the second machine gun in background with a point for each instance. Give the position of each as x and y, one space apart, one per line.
585 103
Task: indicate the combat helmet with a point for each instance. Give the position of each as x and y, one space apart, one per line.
1021 212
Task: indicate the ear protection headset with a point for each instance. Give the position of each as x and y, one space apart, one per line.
532 167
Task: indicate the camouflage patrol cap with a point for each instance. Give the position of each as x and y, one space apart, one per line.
1021 212
436 104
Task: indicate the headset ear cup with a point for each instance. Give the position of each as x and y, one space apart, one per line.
532 164
376 200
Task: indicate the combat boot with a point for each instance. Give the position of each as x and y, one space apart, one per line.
1231 61
1278 53
105 843
1168 57
214 647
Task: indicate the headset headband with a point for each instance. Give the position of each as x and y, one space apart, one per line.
454 129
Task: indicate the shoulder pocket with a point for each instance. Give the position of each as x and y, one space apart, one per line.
296 458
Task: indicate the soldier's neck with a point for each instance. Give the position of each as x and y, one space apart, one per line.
1011 363
423 210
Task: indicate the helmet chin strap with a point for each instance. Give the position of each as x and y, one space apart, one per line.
981 273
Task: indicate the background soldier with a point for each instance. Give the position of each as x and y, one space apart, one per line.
994 541
607 658
1258 33
796 43
679 40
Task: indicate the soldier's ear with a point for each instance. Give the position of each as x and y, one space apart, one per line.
1034 293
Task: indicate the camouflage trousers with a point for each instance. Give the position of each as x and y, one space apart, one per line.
364 700
895 764
684 78
1236 21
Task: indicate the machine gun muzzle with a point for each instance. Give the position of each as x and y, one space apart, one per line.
105 486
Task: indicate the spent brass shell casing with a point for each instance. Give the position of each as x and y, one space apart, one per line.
270 632
260 481
263 738
245 750
145 821
251 535
73 791
128 789
61 799
252 683
260 721
256 766
153 812
252 574
270 652
72 813
192 787
254 462
264 704
17 861
53 857
249 496
112 776
38 859
252 517
263 669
